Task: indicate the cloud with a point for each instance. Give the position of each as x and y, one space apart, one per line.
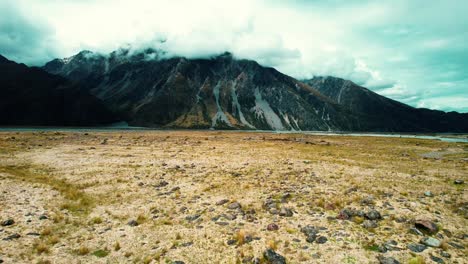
24 38
384 45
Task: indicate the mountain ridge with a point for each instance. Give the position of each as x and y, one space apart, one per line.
31 96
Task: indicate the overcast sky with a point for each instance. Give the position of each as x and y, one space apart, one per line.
414 51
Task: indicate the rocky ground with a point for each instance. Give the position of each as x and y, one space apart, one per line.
230 197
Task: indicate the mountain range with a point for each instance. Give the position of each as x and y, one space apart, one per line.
32 97
150 89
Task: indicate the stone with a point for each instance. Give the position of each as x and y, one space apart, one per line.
231 242
221 202
369 200
274 258
191 218
387 260
43 217
272 227
368 224
322 240
415 231
431 242
455 245
162 184
8 222
445 254
287 212
426 226
437 259
234 205
229 216
373 215
11 237
416 247
33 234
458 181
132 223
428 194
178 262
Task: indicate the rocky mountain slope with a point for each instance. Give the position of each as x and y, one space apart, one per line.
387 114
33 97
203 93
148 89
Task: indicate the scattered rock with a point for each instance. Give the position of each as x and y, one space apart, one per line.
229 216
161 184
455 245
445 254
132 223
369 200
11 237
415 231
8 222
426 226
33 234
191 218
43 217
287 212
458 181
272 227
368 224
416 247
231 242
273 257
428 194
221 202
178 262
437 259
310 232
387 260
431 242
373 215
234 205
322 240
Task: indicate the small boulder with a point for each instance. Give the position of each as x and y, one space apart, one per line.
132 222
272 227
369 224
8 222
322 240
373 215
458 181
428 194
431 242
387 260
234 205
221 202
274 258
416 247
426 226
287 212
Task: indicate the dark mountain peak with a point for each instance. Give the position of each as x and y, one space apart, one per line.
3 59
32 96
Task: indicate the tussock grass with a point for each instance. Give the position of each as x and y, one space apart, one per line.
77 201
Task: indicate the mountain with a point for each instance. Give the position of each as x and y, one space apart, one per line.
148 88
221 92
33 97
385 113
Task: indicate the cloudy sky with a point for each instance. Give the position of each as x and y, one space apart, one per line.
414 51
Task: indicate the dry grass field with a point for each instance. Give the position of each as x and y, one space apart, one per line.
227 197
